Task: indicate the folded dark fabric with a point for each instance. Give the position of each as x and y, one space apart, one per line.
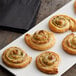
18 15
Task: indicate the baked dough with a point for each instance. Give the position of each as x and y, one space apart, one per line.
62 23
15 57
48 62
40 40
75 6
69 44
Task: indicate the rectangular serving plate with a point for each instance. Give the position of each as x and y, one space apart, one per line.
66 60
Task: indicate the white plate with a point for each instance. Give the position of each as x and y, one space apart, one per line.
66 60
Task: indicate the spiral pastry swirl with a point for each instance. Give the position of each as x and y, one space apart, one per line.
40 40
62 23
69 44
15 57
48 62
41 37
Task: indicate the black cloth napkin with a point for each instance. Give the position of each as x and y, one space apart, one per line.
18 15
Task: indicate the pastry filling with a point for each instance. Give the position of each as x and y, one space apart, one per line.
41 37
61 21
15 55
72 42
47 59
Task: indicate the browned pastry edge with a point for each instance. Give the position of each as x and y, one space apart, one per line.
18 66
28 42
15 66
75 6
66 49
73 27
54 70
54 29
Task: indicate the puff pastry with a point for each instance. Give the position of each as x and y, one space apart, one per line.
75 6
69 44
40 40
62 23
15 57
48 62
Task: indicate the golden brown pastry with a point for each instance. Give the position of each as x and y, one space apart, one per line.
62 23
69 44
48 62
75 6
40 40
15 57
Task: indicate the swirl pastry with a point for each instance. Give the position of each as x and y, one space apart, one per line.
62 23
40 40
69 44
15 57
75 6
48 62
